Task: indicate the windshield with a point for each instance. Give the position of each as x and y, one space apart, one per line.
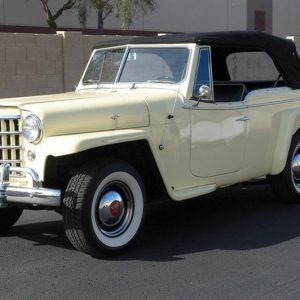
104 66
158 65
155 65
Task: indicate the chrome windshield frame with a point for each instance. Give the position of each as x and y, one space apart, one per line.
127 48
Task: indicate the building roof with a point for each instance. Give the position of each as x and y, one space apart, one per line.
282 51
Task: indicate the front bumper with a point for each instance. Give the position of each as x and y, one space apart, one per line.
32 196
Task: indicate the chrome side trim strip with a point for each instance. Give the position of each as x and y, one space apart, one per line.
215 108
245 106
274 103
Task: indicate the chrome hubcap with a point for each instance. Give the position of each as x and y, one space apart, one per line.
296 169
114 209
111 208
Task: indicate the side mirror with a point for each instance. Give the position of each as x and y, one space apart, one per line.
204 92
204 95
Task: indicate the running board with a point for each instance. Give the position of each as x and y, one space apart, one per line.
193 192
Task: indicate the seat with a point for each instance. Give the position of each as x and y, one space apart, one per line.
229 92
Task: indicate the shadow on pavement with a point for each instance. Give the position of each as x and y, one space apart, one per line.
46 233
232 219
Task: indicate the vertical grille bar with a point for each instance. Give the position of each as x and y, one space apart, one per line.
10 141
4 140
13 140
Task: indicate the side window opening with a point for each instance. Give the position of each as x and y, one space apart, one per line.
229 92
251 66
203 74
243 71
254 69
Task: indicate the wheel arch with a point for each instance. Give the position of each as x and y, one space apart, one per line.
288 129
60 169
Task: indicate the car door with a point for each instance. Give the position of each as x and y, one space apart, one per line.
218 129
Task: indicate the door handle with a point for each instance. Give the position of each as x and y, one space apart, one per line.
243 119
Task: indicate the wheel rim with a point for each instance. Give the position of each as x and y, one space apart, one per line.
114 209
295 169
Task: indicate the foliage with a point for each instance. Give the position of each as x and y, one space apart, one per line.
123 9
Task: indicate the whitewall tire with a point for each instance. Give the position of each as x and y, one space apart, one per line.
104 207
286 185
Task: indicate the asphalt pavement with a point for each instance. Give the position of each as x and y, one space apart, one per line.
234 244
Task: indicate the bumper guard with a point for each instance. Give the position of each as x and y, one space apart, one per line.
35 196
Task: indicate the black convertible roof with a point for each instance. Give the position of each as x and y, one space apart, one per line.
282 51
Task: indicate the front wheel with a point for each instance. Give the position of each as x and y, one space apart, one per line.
286 185
8 217
103 208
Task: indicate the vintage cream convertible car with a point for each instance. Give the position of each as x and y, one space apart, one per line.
181 115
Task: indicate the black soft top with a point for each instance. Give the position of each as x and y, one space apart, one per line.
282 51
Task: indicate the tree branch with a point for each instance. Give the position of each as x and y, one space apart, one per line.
68 5
46 8
49 16
108 12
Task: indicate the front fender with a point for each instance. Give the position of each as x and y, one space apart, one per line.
72 144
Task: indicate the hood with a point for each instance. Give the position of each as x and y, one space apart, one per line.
20 101
80 112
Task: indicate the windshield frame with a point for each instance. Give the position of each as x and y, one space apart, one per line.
90 59
123 61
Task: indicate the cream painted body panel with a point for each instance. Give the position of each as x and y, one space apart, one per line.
218 137
273 120
92 112
273 114
269 123
224 152
174 134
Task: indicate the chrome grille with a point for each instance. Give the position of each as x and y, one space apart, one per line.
10 140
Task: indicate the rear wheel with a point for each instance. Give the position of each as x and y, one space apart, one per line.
103 208
8 217
286 185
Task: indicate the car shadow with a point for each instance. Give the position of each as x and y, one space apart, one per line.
42 234
238 218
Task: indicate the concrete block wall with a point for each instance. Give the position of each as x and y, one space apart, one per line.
77 49
30 64
38 64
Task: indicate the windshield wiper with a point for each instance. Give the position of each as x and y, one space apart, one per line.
160 81
91 81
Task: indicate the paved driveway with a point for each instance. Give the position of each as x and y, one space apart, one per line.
234 244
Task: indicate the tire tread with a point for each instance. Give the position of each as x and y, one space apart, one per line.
74 206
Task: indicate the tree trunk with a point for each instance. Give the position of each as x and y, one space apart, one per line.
100 19
52 24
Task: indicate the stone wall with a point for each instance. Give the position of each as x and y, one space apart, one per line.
38 64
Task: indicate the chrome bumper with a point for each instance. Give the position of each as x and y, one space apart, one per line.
34 196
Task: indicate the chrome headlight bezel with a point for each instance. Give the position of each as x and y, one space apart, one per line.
32 129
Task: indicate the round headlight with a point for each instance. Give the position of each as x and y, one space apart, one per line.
32 129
